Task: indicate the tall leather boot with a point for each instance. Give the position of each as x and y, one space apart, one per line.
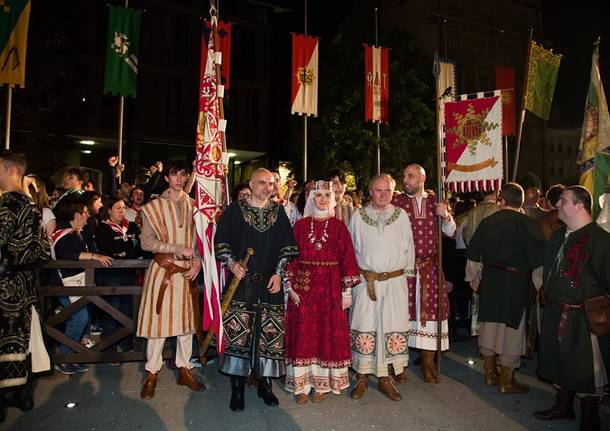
265 392
589 414
237 393
490 366
362 383
22 396
508 384
562 409
428 366
148 388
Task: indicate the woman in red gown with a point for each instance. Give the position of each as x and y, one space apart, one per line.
317 343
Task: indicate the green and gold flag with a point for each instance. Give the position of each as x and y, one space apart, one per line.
14 19
542 71
594 147
122 51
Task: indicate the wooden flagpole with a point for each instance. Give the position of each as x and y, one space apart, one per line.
305 116
9 106
378 121
121 112
523 92
440 198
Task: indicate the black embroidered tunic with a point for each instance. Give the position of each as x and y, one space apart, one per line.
254 322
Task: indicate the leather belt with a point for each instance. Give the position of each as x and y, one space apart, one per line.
166 261
254 277
507 269
371 277
563 319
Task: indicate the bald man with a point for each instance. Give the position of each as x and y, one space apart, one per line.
254 321
423 211
531 204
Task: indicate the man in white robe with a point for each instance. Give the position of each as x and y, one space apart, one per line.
379 319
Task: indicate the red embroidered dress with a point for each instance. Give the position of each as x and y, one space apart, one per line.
317 330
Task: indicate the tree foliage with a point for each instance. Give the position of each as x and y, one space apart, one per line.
339 137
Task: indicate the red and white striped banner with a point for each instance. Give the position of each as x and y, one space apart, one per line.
376 83
209 174
304 75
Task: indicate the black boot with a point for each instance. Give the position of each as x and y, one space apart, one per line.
2 412
589 414
264 391
562 409
22 397
237 393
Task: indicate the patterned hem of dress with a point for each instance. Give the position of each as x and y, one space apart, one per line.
423 334
315 361
303 384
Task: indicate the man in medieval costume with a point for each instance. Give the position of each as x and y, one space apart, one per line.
576 269
379 319
254 321
423 211
169 295
318 352
23 242
504 251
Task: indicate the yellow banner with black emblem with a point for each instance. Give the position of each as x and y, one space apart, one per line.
14 20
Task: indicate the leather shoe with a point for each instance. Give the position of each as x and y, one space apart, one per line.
265 392
388 387
148 388
187 379
301 399
318 397
237 393
398 378
562 409
362 383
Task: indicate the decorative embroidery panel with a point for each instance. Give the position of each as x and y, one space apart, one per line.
396 344
271 342
238 329
364 343
260 219
302 280
368 220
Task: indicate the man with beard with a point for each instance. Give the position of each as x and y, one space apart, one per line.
254 321
423 211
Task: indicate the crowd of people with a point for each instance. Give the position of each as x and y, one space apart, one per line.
336 281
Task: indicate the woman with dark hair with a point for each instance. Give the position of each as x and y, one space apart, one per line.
93 201
240 191
37 190
118 238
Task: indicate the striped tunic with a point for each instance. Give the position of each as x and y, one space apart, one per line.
167 228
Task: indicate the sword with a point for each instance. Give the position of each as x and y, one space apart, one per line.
226 299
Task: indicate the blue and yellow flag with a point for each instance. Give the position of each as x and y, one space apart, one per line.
14 19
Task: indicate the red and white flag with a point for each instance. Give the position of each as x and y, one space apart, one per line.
210 192
473 143
376 83
505 81
223 36
304 75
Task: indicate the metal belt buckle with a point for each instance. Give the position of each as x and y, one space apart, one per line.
257 276
383 276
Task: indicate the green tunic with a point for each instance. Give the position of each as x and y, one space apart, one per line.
511 239
586 253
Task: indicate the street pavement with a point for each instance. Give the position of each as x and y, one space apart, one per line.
108 398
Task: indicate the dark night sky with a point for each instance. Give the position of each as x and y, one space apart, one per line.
571 31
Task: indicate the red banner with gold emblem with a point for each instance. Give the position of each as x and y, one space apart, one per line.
304 75
505 81
376 83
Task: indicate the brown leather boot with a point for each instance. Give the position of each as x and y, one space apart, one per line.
508 384
398 378
490 366
148 388
562 409
362 382
428 366
388 387
589 414
187 379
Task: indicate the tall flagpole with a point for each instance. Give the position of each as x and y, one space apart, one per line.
121 110
378 121
441 198
522 120
9 105
305 118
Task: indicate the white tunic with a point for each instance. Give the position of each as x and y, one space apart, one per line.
383 242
